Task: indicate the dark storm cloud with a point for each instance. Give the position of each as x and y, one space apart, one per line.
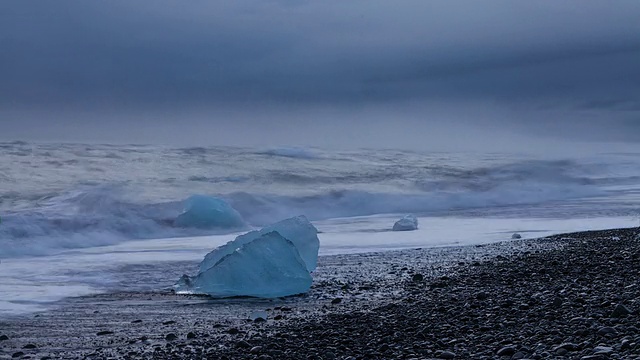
297 51
438 60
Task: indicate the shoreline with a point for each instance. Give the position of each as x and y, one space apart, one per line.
397 304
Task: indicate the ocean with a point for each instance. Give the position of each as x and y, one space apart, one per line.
78 219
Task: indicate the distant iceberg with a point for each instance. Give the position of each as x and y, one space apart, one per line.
407 223
273 262
208 212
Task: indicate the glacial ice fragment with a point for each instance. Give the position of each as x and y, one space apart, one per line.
298 230
407 223
207 212
269 266
257 315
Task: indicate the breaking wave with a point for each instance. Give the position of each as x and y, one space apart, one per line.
100 216
100 207
291 152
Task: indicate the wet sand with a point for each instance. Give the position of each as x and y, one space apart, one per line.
544 298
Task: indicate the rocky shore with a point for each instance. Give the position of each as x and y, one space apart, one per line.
572 296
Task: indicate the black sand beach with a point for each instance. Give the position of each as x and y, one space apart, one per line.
573 296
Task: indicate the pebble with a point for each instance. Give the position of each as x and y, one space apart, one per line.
620 311
566 346
328 355
506 351
171 337
446 355
557 302
243 344
606 330
602 350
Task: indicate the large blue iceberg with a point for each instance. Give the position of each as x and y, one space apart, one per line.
207 212
298 230
273 262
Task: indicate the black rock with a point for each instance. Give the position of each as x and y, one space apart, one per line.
29 346
168 322
620 311
233 331
243 344
191 335
4 337
336 301
170 337
446 355
481 295
17 354
136 321
506 351
329 355
106 332
606 330
567 346
557 302
417 277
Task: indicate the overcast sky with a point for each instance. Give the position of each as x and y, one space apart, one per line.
324 73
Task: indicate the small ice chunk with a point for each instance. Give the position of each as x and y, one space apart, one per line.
269 266
258 314
298 230
207 212
516 236
407 223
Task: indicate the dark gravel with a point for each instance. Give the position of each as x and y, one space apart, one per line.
574 296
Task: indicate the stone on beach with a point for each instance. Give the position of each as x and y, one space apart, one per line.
407 223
